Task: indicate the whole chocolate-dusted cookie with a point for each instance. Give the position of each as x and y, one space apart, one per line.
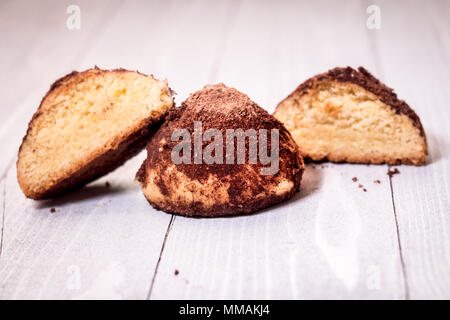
220 154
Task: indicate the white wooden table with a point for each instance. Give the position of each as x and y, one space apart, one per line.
331 241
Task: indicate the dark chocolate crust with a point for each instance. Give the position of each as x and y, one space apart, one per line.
366 80
220 107
104 163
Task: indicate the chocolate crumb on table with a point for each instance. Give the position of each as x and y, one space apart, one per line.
377 181
365 190
354 179
391 172
52 210
176 272
360 185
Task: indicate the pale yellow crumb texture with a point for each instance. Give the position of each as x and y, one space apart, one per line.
87 115
344 122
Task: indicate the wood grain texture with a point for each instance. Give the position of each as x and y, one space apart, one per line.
421 194
323 238
99 242
333 240
102 242
38 49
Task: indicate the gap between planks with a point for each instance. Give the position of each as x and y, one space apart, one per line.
169 227
380 74
232 14
399 242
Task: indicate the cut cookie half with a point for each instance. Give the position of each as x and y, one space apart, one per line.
348 115
88 124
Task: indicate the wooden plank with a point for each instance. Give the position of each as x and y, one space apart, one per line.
38 49
315 246
106 242
414 46
332 240
100 242
178 42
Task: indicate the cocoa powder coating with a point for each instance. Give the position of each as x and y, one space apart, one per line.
219 107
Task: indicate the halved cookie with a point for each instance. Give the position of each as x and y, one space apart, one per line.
88 124
223 169
347 115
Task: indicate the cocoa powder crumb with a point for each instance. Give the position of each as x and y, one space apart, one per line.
176 272
52 210
377 181
365 190
360 185
391 172
354 179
